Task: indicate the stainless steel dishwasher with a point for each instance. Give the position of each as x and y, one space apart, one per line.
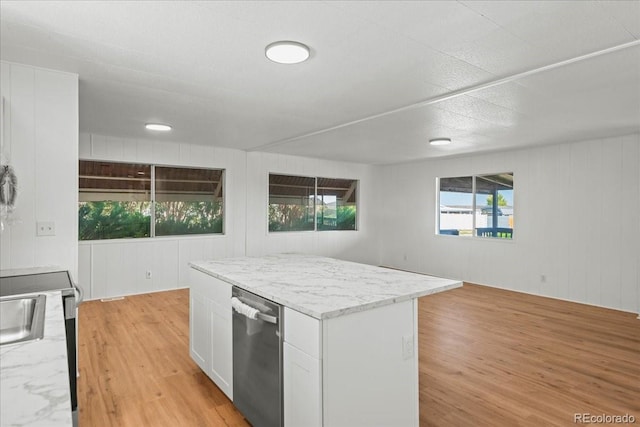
257 358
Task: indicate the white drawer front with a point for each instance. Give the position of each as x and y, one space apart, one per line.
303 332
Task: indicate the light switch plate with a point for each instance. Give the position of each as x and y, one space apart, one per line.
45 228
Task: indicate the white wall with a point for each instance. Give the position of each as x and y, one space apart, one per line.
111 268
360 245
576 208
40 141
577 222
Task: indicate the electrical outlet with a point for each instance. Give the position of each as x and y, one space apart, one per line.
407 347
148 275
45 228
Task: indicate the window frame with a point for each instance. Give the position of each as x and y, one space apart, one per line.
356 192
315 206
474 207
223 199
152 202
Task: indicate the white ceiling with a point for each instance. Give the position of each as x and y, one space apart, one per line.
412 70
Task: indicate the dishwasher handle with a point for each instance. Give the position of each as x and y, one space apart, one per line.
267 318
79 293
250 312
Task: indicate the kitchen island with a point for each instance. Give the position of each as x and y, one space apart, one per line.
350 350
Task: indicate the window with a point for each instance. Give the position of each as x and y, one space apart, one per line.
476 205
188 201
291 203
456 206
115 200
127 200
299 203
336 204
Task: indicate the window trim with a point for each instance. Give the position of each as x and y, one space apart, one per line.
152 225
152 202
473 236
357 194
223 181
315 219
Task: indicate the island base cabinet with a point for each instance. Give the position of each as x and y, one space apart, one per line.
359 369
210 328
221 366
370 368
302 396
199 329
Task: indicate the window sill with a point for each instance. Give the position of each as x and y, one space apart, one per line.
475 238
152 239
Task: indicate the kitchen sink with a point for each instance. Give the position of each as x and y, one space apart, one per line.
21 318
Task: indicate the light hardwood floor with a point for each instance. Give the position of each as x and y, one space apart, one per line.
488 357
135 368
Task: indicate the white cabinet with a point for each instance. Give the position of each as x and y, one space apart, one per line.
302 370
210 328
199 328
222 343
370 368
359 369
302 388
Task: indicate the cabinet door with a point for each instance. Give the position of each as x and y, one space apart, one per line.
222 345
302 388
210 328
200 329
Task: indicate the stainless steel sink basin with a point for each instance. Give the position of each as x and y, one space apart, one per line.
21 318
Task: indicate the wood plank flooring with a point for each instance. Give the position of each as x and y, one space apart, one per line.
135 368
488 357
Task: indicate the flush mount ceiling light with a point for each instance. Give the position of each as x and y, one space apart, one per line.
440 141
287 52
158 127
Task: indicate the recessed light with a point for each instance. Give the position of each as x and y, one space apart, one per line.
158 127
440 141
287 52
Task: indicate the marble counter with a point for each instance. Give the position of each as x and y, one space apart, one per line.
30 270
34 377
322 287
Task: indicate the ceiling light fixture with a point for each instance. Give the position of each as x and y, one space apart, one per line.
158 127
440 141
287 52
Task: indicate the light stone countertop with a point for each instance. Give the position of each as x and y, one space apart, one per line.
322 287
30 270
34 375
